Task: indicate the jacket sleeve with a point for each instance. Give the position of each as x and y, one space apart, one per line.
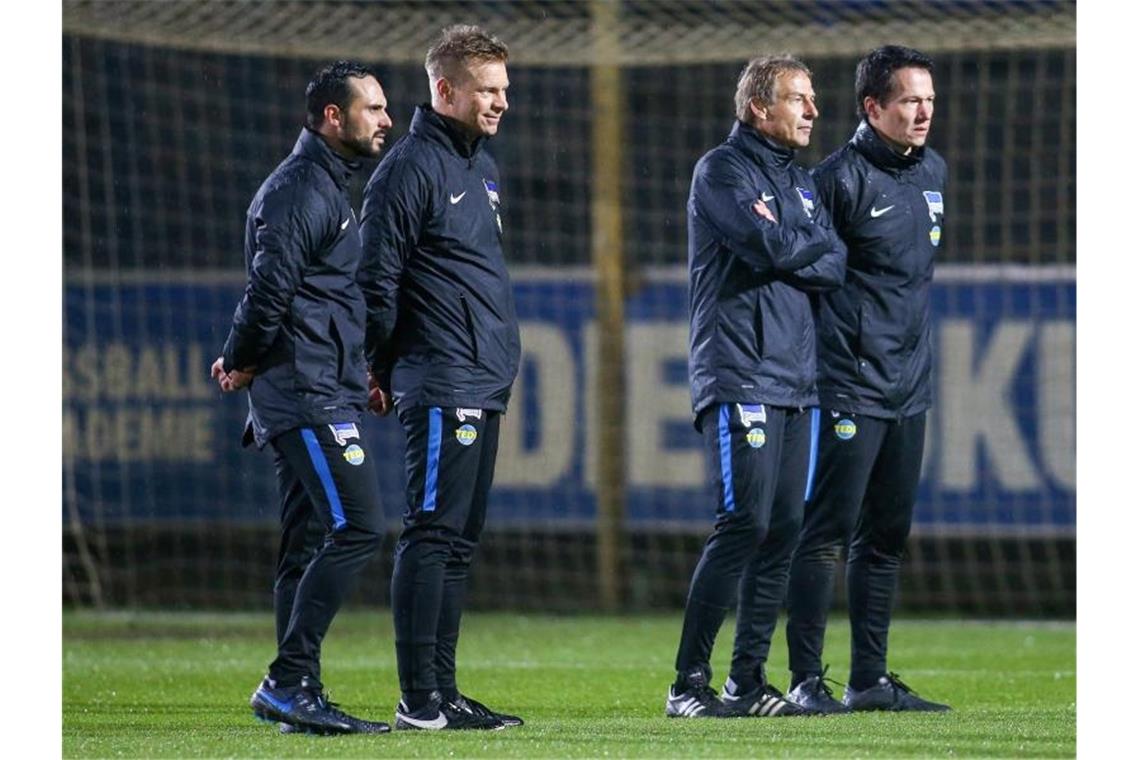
829 271
397 200
723 196
282 231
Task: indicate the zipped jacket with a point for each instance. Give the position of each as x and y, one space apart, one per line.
300 321
442 328
875 335
751 329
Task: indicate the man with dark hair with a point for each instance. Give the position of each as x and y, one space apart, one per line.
885 192
758 245
299 331
443 348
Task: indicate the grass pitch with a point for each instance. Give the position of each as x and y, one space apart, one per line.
178 685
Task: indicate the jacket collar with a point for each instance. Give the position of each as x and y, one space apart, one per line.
312 146
867 141
442 130
751 141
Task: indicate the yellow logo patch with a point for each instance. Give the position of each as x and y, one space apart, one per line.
354 455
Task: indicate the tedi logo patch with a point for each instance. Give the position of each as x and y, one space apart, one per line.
756 437
845 429
354 455
466 434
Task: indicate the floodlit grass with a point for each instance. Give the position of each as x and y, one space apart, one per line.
178 685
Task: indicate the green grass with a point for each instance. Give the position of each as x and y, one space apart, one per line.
177 685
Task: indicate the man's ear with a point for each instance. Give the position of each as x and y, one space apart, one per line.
333 115
443 89
759 110
871 107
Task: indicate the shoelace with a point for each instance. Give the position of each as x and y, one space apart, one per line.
822 686
475 706
706 695
898 682
324 702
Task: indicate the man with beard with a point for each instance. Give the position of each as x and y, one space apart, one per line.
296 343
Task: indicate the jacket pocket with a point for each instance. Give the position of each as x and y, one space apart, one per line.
315 366
469 325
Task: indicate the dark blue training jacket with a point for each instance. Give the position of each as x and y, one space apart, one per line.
442 329
300 322
751 331
874 338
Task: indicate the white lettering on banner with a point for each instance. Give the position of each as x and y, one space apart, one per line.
1056 401
975 406
118 372
653 403
556 422
129 434
113 396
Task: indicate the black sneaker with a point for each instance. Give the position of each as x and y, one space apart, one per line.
439 714
698 700
890 693
482 710
308 710
764 701
814 694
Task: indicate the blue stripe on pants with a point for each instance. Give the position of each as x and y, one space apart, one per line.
814 452
726 458
431 474
321 465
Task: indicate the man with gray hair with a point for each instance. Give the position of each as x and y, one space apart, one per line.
442 345
759 244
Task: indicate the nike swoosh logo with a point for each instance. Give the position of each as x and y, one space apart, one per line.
877 212
439 721
767 197
345 223
455 199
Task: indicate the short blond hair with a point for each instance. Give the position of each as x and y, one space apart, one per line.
459 45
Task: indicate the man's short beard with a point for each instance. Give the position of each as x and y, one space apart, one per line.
362 147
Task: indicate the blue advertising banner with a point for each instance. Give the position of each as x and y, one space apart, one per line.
147 436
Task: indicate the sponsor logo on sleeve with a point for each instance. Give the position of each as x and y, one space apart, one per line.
354 455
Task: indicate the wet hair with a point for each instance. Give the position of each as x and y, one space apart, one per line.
874 74
331 85
758 80
459 45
